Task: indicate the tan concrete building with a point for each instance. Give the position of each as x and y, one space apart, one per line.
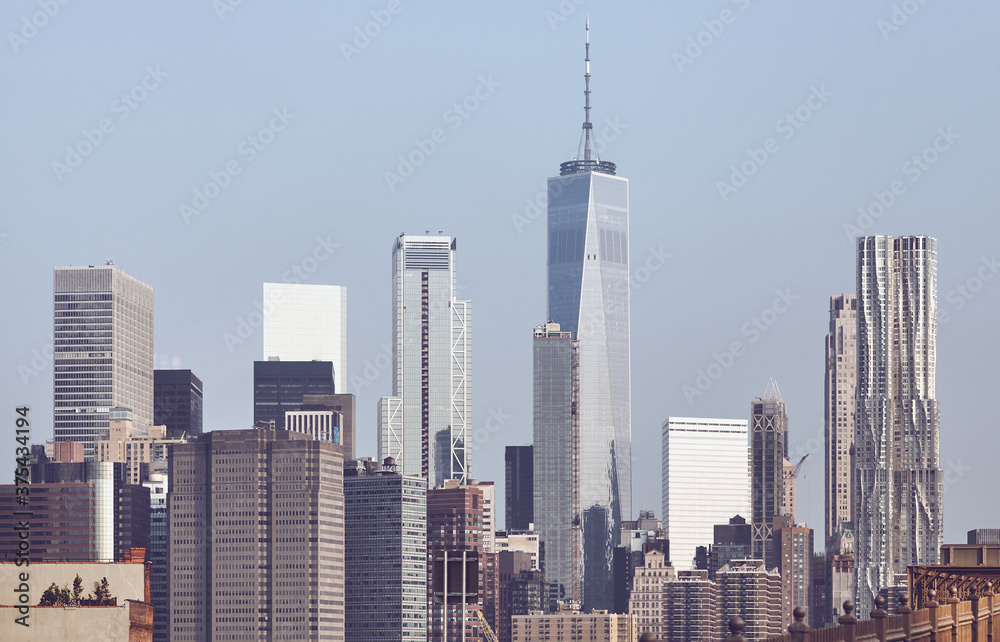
256 537
519 543
133 447
569 624
691 609
646 600
129 620
748 589
840 384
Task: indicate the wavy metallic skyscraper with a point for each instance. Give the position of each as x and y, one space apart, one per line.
898 484
588 295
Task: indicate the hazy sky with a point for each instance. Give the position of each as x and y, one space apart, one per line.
116 116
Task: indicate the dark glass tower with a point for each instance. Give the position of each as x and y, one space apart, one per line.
177 402
588 295
768 453
279 386
520 475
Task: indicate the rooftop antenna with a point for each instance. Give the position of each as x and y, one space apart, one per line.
587 126
588 158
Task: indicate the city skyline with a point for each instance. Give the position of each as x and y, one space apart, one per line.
679 140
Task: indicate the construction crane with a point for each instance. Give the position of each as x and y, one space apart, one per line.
487 631
798 466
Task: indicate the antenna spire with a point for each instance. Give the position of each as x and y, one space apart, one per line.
587 157
587 126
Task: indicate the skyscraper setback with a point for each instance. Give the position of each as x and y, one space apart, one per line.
103 351
898 490
588 296
425 425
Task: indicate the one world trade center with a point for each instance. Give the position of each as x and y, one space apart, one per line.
588 296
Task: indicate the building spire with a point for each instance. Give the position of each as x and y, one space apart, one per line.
587 126
587 156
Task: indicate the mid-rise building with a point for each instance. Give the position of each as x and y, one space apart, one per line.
691 608
516 576
731 541
647 599
455 562
426 424
841 574
81 512
818 599
793 547
126 616
102 351
526 542
556 427
588 296
307 322
898 501
748 589
637 538
157 555
489 514
178 402
706 480
344 404
256 537
281 386
135 448
67 452
840 384
385 562
768 454
519 469
570 623
987 536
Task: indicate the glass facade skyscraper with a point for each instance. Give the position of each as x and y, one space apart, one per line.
898 501
426 424
307 322
588 296
556 428
706 481
103 351
385 563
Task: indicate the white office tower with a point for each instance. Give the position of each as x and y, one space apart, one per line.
426 424
103 351
307 323
706 481
899 506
